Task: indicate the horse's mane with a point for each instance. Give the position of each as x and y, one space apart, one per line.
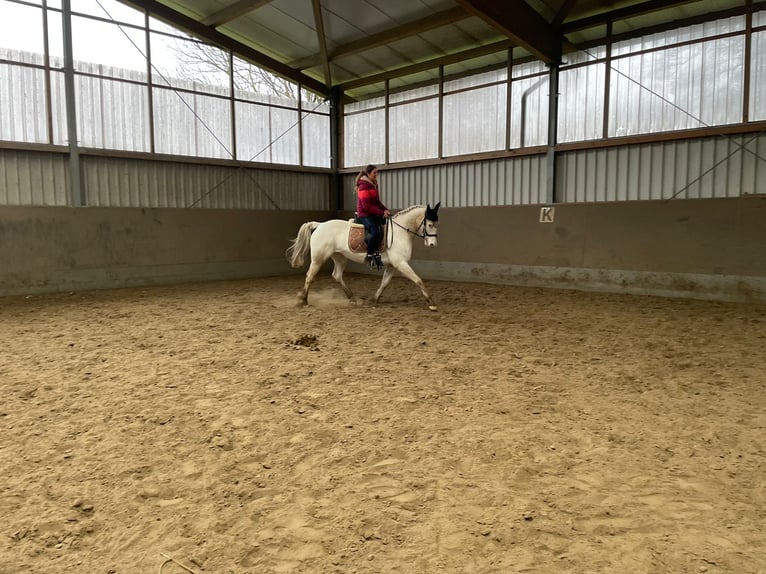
407 210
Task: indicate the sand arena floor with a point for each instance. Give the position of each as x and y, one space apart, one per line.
514 430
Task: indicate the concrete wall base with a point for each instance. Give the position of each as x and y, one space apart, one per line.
686 285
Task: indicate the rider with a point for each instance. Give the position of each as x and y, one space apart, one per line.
371 212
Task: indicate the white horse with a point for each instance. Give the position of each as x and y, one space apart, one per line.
330 239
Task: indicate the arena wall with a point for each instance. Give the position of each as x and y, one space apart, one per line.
705 248
50 249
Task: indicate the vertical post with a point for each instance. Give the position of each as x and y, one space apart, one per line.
149 82
233 107
748 58
440 130
336 141
76 197
300 125
508 96
607 81
553 118
388 126
47 64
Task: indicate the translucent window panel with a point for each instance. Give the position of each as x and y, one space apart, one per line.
316 140
58 106
55 39
191 124
407 95
314 102
266 134
23 115
364 138
414 131
678 88
112 114
21 30
160 26
474 121
189 64
258 85
581 103
529 112
364 105
109 9
127 47
285 139
669 37
758 77
476 80
584 56
528 69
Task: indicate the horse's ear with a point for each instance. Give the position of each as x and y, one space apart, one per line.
432 213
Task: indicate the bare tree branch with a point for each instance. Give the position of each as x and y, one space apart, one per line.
205 63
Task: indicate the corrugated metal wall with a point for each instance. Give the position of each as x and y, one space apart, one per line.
700 168
33 178
714 167
42 179
142 183
508 181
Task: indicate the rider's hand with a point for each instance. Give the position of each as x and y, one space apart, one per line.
386 213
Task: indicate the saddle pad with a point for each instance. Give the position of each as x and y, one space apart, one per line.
356 242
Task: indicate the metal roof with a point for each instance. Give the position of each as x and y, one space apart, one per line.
356 45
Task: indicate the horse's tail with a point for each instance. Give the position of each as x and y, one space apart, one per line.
296 253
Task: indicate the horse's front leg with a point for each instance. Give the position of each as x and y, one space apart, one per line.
388 273
405 269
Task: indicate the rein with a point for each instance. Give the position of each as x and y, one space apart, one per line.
408 230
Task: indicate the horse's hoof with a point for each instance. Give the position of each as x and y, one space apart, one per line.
432 307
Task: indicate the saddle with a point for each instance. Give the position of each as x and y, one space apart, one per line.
356 235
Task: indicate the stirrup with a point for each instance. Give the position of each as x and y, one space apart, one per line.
373 261
376 261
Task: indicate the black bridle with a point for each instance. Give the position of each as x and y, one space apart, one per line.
422 224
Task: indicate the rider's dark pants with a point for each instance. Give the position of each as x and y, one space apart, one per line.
373 232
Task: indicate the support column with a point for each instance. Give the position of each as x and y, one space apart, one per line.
336 150
76 195
553 118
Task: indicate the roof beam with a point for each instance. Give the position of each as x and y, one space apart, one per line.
236 10
621 14
563 12
430 64
215 37
321 41
520 23
374 40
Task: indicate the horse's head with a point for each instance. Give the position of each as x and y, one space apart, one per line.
430 225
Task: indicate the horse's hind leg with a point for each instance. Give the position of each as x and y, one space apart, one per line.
303 295
337 273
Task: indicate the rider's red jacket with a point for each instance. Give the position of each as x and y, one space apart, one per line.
368 201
